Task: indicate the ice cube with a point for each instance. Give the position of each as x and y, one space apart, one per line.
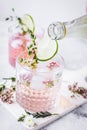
16 43
37 82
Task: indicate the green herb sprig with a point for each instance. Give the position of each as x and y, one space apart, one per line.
2 87
32 48
13 79
41 114
21 118
36 115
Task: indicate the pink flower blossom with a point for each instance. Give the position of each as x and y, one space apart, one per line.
53 65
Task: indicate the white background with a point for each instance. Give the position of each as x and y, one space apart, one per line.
44 12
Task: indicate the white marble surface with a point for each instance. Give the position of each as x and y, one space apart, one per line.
76 120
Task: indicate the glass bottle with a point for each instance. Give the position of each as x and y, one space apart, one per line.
72 36
75 28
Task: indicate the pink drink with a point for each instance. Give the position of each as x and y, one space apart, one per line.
41 100
38 89
17 44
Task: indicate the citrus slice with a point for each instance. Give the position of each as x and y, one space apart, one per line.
46 49
28 22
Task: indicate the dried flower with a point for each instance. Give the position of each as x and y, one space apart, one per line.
75 89
53 65
7 96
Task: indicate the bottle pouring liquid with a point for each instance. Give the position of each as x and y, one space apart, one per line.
76 28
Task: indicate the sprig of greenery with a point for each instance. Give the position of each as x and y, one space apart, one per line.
32 48
36 115
40 114
3 86
11 18
13 79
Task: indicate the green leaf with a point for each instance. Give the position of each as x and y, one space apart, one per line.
21 119
2 87
13 79
21 60
40 114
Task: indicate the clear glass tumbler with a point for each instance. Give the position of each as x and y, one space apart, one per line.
38 89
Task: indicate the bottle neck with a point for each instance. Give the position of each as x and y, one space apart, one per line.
75 28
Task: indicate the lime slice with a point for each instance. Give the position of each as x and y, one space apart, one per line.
46 49
28 22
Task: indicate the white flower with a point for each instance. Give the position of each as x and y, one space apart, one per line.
29 120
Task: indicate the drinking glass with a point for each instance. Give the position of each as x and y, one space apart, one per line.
38 89
19 41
